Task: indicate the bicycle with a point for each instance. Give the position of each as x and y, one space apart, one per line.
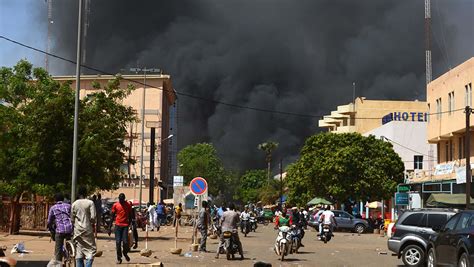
69 253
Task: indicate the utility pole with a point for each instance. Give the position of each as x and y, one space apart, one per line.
48 42
467 147
428 41
281 183
152 165
76 104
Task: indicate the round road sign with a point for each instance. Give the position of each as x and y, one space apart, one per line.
198 186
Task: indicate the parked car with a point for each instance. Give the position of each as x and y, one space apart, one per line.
454 243
344 221
411 233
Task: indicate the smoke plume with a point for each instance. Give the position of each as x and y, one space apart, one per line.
296 56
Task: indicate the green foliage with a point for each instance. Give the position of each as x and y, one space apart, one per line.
270 192
251 184
36 133
201 160
344 166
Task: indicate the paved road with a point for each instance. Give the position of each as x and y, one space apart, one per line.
346 249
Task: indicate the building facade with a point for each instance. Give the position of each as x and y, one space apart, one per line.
159 98
365 115
447 97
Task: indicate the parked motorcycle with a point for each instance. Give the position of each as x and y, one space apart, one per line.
296 235
245 227
253 224
327 233
141 220
231 247
107 219
283 242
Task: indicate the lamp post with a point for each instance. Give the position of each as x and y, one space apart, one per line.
152 163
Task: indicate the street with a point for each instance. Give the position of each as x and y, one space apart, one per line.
345 249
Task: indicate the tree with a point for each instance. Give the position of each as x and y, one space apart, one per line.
201 160
36 129
268 148
251 184
344 166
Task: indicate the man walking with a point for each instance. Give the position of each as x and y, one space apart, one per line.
59 221
121 210
98 211
203 224
83 219
134 225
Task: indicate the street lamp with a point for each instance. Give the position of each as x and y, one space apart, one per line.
152 166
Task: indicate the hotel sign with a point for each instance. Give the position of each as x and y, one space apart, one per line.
405 116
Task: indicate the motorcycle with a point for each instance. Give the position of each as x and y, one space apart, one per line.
296 234
107 219
253 224
231 247
283 242
141 220
245 227
327 233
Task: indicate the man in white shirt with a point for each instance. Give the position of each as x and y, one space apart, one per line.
327 217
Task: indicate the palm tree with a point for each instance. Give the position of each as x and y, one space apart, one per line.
268 147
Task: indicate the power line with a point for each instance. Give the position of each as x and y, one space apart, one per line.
191 95
391 141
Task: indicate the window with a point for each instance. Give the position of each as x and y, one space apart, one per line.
450 102
418 160
468 94
413 219
461 147
438 152
429 113
451 150
436 220
452 222
462 224
446 151
438 108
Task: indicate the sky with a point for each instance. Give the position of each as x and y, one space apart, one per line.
293 56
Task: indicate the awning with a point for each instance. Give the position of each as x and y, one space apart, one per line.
447 200
168 201
319 201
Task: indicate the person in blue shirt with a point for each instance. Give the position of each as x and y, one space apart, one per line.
161 212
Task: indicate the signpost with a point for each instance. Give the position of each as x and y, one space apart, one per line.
403 188
402 199
198 187
178 181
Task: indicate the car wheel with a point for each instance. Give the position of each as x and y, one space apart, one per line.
359 228
431 260
464 260
413 255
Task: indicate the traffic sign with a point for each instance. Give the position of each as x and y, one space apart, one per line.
198 186
402 199
403 188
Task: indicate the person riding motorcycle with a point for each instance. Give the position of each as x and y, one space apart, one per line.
298 221
244 216
229 222
327 217
283 220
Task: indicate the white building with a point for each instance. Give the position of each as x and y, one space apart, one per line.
409 141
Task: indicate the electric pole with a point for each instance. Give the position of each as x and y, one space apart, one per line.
467 147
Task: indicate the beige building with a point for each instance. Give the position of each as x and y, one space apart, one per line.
159 96
447 98
365 115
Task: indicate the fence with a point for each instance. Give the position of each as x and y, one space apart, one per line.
33 216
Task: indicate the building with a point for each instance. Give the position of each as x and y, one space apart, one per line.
159 98
409 142
364 115
447 97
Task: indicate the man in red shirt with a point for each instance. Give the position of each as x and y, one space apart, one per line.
121 210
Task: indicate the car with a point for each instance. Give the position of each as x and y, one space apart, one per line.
454 244
411 233
344 221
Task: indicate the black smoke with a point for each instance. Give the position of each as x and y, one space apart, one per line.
296 56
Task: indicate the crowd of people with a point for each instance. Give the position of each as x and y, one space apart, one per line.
81 220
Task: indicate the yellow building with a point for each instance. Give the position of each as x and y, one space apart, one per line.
159 96
447 98
365 115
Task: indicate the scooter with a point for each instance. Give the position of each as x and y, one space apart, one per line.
296 236
326 234
245 227
231 247
283 242
253 224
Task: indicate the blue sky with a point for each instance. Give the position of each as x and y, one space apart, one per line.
19 21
